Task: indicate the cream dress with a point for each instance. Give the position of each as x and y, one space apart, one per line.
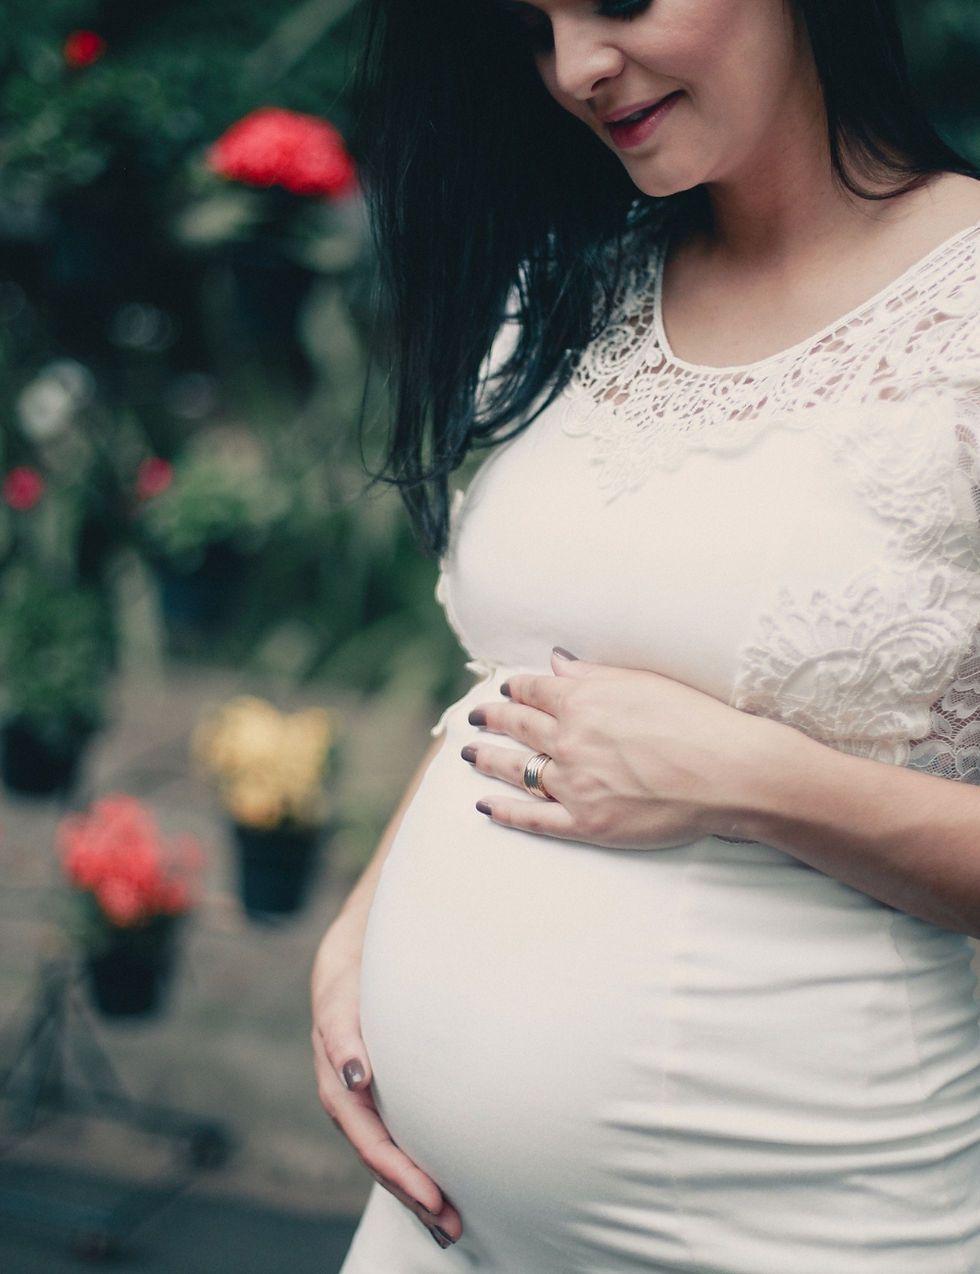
710 1059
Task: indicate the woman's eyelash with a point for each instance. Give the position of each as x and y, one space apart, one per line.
537 27
623 8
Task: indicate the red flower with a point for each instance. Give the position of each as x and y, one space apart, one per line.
115 852
153 476
23 488
82 48
275 147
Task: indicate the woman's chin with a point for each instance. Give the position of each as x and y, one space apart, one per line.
660 184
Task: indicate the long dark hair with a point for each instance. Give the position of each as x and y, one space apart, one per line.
488 199
881 143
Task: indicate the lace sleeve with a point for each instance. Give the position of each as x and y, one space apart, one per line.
951 749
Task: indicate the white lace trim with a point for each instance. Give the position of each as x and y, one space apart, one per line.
644 409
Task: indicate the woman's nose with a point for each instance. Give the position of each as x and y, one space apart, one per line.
583 58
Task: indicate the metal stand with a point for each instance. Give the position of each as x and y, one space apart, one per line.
59 1066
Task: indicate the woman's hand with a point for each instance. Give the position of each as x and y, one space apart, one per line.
344 1083
638 761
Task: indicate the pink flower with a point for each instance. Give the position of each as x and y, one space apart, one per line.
276 147
23 488
82 48
115 852
153 477
121 901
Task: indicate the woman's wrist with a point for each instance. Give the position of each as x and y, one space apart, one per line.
812 802
761 784
905 838
343 941
815 793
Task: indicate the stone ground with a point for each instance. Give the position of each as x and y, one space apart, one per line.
231 1046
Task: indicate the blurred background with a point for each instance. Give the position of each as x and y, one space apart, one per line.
219 650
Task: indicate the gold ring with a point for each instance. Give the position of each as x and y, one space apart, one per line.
532 776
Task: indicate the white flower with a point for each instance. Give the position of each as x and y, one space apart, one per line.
47 405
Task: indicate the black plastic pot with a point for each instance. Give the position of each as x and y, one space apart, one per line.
130 976
31 765
275 868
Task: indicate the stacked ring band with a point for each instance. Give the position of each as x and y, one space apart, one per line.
532 776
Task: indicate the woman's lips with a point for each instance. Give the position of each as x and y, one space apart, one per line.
636 127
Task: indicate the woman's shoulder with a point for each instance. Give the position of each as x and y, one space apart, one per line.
930 314
934 246
949 202
939 220
927 323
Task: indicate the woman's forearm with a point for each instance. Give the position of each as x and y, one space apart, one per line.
639 761
908 839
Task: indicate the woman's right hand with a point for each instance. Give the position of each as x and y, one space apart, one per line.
344 1081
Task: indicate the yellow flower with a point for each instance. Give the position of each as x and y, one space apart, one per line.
268 766
254 803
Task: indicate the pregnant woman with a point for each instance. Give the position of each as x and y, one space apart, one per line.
663 965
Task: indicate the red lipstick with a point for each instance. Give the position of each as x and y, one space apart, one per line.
629 128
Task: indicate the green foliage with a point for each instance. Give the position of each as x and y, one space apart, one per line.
56 652
222 492
943 40
173 76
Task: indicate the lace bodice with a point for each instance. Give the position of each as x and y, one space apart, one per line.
918 326
819 507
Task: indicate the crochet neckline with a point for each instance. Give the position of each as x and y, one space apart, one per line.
808 342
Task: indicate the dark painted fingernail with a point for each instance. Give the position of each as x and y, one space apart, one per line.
562 653
477 717
468 753
484 808
505 690
441 1237
353 1073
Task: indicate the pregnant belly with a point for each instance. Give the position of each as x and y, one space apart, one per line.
649 1036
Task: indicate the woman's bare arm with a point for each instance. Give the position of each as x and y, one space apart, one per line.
643 762
340 1057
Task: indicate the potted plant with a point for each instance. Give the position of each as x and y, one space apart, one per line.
56 655
61 529
201 518
275 194
269 769
131 885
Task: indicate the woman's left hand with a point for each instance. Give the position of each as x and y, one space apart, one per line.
638 761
